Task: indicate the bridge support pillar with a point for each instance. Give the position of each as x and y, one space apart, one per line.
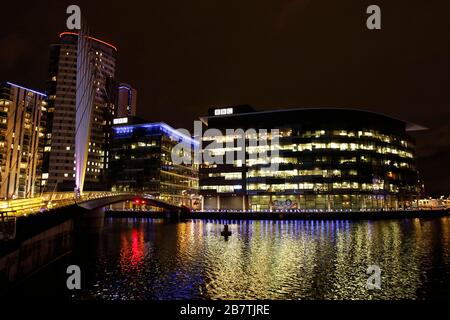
91 221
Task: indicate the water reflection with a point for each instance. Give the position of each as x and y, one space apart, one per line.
150 259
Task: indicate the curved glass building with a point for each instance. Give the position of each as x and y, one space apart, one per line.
326 159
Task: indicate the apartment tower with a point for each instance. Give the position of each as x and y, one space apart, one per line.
59 158
22 121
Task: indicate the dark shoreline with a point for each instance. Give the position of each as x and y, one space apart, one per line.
360 215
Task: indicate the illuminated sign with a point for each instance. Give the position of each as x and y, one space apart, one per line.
284 205
120 120
223 111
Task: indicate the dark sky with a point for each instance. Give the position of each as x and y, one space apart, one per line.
186 56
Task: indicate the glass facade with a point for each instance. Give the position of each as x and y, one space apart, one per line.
327 159
141 162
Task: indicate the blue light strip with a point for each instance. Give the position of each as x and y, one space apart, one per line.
27 89
162 126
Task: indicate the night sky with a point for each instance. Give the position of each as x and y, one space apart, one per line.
186 56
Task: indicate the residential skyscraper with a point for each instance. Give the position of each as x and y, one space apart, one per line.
127 97
22 117
59 159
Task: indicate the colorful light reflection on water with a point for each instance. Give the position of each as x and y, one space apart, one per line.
151 259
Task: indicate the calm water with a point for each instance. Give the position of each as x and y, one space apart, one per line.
151 259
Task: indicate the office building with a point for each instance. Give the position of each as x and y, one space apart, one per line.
141 161
326 159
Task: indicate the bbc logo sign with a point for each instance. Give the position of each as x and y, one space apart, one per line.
223 111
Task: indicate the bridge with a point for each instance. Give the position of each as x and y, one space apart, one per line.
89 201
11 210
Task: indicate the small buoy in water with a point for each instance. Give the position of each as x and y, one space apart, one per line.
225 232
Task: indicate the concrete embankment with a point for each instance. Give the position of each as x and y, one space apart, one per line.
32 225
41 239
27 227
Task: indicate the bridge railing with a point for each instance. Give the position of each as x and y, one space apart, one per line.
48 201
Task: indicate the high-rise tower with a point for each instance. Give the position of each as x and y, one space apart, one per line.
59 160
127 97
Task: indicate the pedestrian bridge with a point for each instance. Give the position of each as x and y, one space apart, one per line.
89 201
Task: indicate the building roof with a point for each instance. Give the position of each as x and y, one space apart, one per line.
409 126
24 88
161 126
89 37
